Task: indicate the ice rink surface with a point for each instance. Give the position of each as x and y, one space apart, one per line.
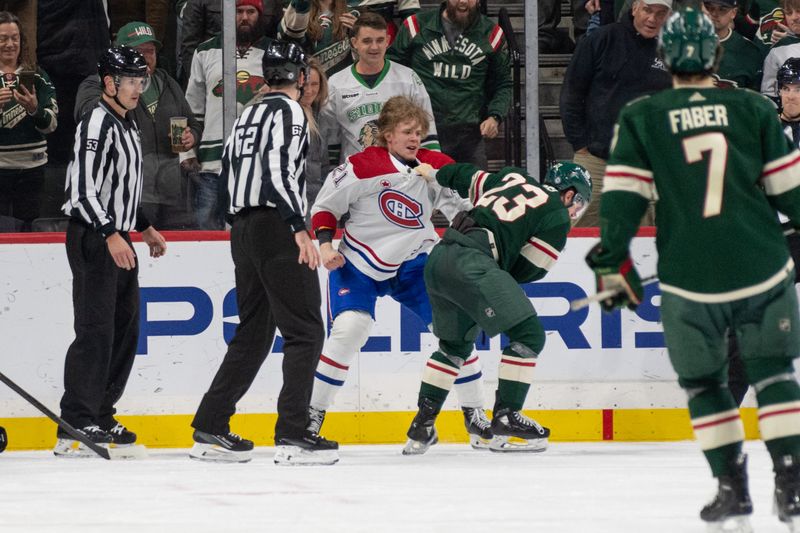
572 487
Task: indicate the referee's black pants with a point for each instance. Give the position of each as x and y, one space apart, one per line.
105 300
271 289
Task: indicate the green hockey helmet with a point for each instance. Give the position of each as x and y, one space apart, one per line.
565 175
689 42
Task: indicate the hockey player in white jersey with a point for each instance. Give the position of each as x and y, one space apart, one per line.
383 250
356 94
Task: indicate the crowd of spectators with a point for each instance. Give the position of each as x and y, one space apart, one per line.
49 51
458 57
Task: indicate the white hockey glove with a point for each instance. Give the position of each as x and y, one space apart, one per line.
426 172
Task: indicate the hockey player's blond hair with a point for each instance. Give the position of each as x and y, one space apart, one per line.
399 109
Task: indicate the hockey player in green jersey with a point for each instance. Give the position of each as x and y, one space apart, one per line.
512 235
718 166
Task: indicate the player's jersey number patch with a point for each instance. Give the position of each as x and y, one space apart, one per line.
509 209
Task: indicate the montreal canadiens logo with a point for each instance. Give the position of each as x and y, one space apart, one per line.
400 209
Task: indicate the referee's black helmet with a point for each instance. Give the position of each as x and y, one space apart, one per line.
283 62
122 61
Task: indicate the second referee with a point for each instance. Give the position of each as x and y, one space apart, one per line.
275 267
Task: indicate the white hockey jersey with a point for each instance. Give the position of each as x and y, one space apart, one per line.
390 209
349 121
204 93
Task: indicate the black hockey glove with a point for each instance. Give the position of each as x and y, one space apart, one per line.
622 278
462 222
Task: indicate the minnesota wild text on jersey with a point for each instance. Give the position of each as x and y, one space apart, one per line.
718 165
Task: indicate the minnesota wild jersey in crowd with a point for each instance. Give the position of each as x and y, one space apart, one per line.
527 221
719 166
741 64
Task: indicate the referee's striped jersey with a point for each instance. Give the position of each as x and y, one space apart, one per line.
104 177
264 159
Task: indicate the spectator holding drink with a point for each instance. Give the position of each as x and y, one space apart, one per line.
166 195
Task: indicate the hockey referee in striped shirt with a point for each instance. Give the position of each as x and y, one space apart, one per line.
276 281
103 190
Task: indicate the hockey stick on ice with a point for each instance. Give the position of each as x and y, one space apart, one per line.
580 303
105 453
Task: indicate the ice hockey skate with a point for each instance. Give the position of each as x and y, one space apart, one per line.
787 492
66 446
315 419
731 507
223 448
3 439
515 432
422 433
123 443
308 449
478 426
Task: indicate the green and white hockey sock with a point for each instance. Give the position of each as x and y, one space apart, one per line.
717 426
515 378
438 376
779 418
778 396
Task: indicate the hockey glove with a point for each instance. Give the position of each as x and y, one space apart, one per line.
426 172
622 280
462 222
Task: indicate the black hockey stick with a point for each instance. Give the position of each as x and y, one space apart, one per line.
74 433
580 303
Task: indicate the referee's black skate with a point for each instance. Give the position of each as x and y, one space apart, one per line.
123 441
222 448
307 449
66 446
515 432
478 426
422 433
3 439
731 507
120 435
787 492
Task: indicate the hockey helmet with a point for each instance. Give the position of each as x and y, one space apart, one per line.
789 72
283 61
689 42
565 175
122 61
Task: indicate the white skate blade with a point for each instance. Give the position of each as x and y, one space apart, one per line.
297 456
734 524
217 454
479 443
74 449
127 452
504 443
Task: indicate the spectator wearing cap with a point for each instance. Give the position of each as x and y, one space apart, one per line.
610 67
204 94
153 12
742 60
787 46
166 192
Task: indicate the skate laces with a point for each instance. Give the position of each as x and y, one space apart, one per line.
234 437
92 429
478 417
525 421
118 429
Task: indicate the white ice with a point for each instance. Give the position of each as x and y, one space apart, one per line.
572 487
